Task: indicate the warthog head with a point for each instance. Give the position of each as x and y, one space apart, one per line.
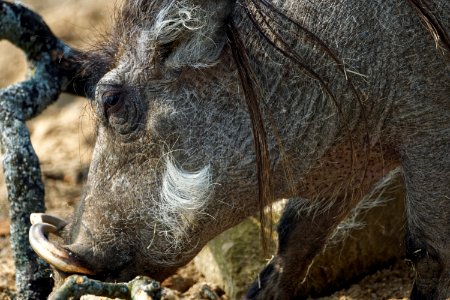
174 161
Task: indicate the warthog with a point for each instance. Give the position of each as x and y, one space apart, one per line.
209 110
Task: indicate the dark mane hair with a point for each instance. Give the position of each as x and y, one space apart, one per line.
433 24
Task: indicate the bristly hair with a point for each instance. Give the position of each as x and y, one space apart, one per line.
433 24
103 55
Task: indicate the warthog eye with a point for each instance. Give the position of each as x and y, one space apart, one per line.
119 109
113 102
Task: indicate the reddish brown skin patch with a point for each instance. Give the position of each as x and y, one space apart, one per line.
347 169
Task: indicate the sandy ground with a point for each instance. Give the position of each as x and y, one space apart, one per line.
63 137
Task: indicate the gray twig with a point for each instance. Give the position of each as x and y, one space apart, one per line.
140 288
52 67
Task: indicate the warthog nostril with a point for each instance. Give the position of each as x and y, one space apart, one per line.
59 257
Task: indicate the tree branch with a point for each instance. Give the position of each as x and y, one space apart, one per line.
53 67
140 288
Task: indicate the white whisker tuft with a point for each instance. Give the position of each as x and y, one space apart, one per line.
183 191
182 202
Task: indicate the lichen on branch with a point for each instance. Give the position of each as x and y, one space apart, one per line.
140 288
52 68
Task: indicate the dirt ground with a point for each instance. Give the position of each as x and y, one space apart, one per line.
63 137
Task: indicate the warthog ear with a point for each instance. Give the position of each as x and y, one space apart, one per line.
192 32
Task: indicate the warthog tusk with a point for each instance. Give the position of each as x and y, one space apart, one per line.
37 218
55 255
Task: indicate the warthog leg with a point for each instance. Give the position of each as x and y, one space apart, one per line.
427 178
301 235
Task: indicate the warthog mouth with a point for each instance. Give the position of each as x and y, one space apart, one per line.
57 256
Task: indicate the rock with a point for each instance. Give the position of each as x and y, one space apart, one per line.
179 283
234 259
